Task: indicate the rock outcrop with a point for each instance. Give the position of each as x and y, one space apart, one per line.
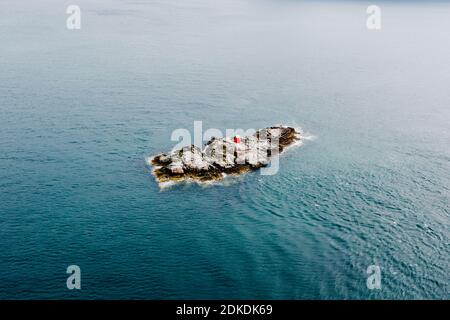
224 156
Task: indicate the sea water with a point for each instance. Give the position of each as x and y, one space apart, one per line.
82 110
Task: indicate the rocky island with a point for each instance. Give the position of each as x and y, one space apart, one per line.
221 157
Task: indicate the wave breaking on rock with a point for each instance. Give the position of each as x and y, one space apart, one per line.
221 157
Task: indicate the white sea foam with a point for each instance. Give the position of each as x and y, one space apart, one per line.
309 137
305 135
166 185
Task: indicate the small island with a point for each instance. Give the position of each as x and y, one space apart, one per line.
221 157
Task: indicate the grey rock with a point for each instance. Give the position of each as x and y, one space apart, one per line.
223 156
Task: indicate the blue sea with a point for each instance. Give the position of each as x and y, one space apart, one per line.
81 110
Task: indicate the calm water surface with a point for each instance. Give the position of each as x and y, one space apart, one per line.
81 110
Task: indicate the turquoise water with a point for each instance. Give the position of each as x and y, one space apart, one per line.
81 110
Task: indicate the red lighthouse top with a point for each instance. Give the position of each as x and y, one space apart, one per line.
237 139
